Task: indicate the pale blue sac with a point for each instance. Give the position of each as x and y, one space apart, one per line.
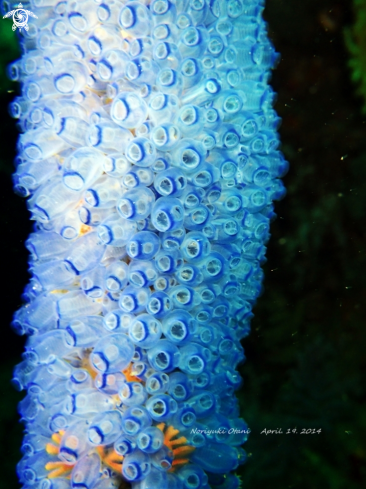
149 156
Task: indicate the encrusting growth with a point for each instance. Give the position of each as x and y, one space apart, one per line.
149 156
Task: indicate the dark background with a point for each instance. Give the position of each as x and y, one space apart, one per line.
306 355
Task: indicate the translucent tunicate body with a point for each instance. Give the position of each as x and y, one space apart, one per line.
149 156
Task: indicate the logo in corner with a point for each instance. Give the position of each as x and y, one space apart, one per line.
20 17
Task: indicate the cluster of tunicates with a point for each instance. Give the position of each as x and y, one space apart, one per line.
149 156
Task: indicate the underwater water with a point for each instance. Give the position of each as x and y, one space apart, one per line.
304 355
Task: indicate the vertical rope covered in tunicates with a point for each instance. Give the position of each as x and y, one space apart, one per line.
149 156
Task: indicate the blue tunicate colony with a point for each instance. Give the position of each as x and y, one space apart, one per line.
148 153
